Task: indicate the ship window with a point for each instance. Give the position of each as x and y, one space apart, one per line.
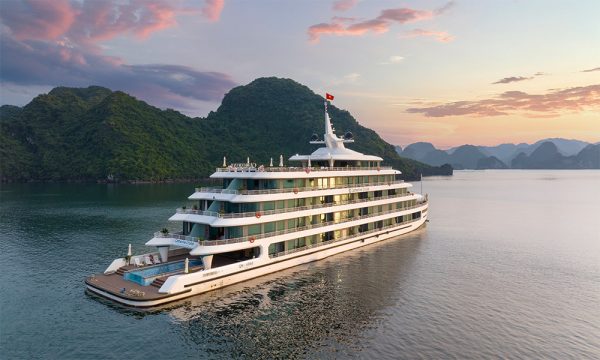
269 227
291 223
281 225
290 245
235 232
311 183
249 207
332 182
254 229
281 204
268 205
288 183
301 222
301 242
416 215
300 183
270 184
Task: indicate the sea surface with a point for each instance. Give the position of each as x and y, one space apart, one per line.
507 267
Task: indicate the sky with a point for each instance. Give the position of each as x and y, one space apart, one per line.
446 72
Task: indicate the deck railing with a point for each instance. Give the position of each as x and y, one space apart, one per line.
311 246
203 242
289 190
286 210
250 168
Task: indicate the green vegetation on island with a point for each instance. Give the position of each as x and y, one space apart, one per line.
95 134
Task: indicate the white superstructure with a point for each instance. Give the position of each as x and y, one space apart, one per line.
264 219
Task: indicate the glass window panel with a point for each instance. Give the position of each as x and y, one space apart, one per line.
254 229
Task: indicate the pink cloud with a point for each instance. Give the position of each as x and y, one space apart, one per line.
31 19
343 5
55 42
379 25
440 36
551 104
95 20
212 9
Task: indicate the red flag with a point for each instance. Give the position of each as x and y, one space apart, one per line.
328 96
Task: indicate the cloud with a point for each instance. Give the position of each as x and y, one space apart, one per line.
590 70
38 19
40 63
51 43
352 78
212 9
440 36
395 59
379 24
551 104
93 20
511 79
343 5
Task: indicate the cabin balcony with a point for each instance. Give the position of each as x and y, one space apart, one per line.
252 238
250 168
293 189
286 210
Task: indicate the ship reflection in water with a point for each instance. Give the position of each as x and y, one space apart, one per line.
318 306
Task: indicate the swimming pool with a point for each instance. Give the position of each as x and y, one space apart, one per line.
148 275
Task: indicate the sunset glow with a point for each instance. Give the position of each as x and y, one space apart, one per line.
446 72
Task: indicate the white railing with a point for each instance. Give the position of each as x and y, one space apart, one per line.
250 168
203 242
311 246
286 210
289 190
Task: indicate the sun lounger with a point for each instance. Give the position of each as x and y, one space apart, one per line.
147 260
156 259
137 262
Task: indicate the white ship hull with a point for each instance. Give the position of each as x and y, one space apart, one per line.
239 272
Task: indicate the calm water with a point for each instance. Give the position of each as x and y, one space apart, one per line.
508 266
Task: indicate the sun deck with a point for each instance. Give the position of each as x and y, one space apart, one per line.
116 285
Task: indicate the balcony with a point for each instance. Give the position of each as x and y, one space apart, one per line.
277 169
281 211
203 242
289 190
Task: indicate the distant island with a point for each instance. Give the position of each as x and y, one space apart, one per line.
555 153
95 134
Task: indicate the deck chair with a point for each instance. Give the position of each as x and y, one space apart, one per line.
137 262
147 260
156 259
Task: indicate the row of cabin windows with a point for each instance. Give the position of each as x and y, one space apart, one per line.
269 227
318 183
312 201
302 242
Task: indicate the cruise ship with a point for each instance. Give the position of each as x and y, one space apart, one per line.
264 219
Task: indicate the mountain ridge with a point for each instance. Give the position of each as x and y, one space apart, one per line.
565 154
95 134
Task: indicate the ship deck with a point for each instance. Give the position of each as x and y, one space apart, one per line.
116 285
